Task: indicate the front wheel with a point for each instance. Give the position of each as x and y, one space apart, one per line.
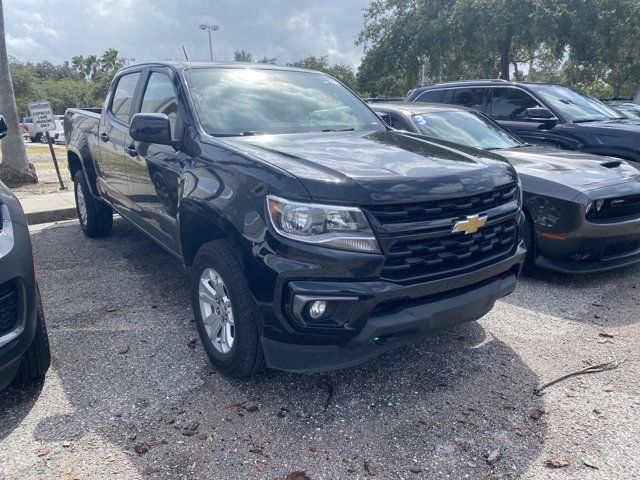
96 217
37 358
226 312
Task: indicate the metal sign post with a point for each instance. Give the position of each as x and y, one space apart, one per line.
42 115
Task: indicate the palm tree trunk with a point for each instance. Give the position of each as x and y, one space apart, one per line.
15 169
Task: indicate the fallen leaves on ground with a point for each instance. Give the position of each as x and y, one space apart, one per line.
371 470
43 452
556 463
191 430
590 464
609 388
67 443
536 413
124 350
415 469
298 476
192 343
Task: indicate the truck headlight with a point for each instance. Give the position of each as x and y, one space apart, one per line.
345 228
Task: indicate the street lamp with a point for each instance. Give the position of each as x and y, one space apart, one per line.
210 28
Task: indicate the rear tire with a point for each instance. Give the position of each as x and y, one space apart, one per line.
244 357
37 358
96 217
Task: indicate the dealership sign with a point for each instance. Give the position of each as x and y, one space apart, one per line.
42 115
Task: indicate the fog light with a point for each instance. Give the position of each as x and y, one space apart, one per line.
317 309
599 205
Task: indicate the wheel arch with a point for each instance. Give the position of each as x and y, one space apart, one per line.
200 224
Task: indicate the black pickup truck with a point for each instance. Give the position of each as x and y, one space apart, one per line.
315 236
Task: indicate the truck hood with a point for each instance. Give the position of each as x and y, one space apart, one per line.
378 167
581 171
627 124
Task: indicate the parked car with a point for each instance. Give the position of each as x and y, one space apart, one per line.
543 114
636 98
24 345
315 237
625 107
29 129
583 211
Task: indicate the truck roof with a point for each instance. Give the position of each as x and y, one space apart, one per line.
178 65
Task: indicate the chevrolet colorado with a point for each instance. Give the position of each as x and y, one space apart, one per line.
315 236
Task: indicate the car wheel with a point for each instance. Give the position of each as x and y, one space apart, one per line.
96 217
226 313
528 236
37 358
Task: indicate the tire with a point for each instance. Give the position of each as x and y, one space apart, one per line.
530 242
37 358
37 138
244 357
96 217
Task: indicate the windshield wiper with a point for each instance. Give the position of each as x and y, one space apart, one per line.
338 130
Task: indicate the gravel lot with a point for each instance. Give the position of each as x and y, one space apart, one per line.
130 396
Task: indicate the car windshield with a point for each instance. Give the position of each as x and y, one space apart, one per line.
575 106
631 111
246 101
466 128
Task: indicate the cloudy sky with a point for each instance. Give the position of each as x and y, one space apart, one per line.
55 30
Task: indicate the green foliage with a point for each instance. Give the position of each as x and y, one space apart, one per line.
590 44
341 72
83 82
242 56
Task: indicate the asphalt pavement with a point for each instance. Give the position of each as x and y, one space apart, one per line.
130 394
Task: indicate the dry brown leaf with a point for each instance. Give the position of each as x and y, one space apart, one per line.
43 452
536 413
590 464
371 470
609 388
556 463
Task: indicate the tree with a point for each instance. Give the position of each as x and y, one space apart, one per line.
15 168
452 39
342 72
267 60
242 56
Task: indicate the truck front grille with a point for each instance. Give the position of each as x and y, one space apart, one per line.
450 254
9 306
438 209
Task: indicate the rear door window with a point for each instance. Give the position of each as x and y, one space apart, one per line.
430 96
510 103
123 97
469 97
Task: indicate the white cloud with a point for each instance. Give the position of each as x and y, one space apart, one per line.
55 30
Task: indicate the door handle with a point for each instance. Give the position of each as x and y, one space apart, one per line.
132 152
104 137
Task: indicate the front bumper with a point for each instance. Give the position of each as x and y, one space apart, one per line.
387 315
591 248
16 269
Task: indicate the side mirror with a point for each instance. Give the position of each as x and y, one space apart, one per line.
539 114
151 128
3 127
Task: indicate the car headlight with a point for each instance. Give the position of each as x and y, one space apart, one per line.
345 228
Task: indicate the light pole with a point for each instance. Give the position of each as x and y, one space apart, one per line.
210 28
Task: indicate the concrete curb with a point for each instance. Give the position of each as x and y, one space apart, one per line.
49 216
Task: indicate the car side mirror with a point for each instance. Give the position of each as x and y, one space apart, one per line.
539 114
3 127
151 128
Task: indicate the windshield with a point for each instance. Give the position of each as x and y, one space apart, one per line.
241 101
631 111
576 106
466 128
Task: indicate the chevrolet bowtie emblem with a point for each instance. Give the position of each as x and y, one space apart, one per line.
470 225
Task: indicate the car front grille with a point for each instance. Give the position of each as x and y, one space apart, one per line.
439 209
9 306
414 260
618 208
